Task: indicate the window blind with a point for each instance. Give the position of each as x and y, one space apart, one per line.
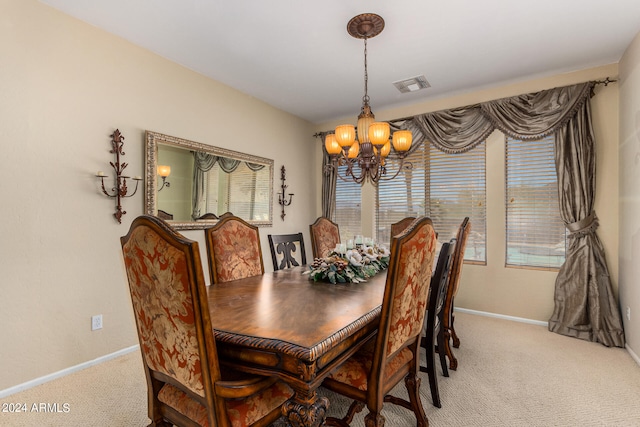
535 233
347 213
445 187
243 192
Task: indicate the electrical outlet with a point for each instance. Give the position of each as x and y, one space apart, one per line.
628 313
96 322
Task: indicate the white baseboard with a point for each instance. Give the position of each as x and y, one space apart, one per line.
67 371
502 316
633 355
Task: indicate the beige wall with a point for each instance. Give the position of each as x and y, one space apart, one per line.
64 88
629 151
521 292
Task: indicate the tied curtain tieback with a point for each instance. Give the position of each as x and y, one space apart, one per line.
587 225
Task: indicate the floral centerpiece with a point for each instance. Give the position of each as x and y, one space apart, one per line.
353 266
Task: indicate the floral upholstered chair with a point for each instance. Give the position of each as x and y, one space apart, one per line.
233 250
393 354
400 226
325 235
185 384
433 331
454 283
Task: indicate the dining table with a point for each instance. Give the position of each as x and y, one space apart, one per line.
283 324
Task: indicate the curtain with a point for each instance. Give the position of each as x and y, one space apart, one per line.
584 304
329 180
203 162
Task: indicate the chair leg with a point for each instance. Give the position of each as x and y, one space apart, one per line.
413 388
443 356
355 408
453 362
454 336
374 420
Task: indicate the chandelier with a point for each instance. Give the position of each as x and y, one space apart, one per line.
369 151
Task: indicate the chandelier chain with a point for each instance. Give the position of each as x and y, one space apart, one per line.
365 98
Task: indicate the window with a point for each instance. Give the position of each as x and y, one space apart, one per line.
348 207
244 192
445 187
536 235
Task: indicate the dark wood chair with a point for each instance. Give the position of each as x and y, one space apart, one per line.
454 283
164 215
287 244
233 250
325 235
400 226
393 354
208 215
185 384
433 331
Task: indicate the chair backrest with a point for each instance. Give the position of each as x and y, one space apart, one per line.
400 226
440 284
458 256
456 267
287 244
171 312
406 292
208 215
164 215
233 250
325 235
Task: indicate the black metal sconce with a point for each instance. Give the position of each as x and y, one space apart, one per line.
120 189
282 198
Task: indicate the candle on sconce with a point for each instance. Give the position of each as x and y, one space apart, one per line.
100 173
137 178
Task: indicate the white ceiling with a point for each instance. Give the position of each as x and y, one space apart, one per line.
297 55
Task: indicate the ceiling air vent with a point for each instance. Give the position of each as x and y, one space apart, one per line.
412 85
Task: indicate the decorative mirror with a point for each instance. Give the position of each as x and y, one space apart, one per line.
190 184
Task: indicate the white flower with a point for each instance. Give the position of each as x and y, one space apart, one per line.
354 258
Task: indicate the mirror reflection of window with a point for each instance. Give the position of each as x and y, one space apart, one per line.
244 191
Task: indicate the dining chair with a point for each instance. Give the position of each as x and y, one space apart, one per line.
325 235
393 353
287 244
185 384
400 226
433 331
208 215
454 283
164 215
233 250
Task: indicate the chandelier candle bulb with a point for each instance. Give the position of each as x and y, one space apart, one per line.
345 135
379 133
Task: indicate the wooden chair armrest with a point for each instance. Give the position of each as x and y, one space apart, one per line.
236 389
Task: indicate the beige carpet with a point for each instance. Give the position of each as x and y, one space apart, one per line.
509 374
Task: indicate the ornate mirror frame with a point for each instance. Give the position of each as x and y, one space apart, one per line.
152 139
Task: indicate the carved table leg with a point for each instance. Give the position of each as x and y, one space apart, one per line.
306 410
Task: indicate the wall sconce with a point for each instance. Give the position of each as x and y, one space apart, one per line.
164 171
282 198
120 189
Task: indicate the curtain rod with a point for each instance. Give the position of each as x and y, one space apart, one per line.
605 82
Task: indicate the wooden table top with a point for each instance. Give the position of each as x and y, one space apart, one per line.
286 312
